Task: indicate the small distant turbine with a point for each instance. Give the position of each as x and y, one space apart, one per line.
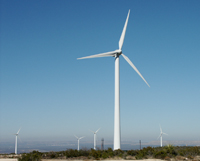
95 140
78 140
16 135
160 136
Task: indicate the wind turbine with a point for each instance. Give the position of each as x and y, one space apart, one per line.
79 139
16 135
95 140
116 54
160 136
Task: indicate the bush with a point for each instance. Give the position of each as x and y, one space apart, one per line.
160 154
132 152
105 155
170 150
118 153
84 152
110 152
33 156
71 153
140 155
166 152
95 153
53 155
147 151
181 152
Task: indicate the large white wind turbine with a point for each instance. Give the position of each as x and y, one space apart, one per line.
95 139
16 135
116 54
79 139
160 136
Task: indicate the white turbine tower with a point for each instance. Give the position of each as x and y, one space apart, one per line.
95 139
16 135
116 54
160 136
78 140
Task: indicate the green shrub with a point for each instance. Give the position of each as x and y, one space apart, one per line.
118 152
160 154
105 155
132 152
181 152
166 152
84 152
170 150
140 155
110 152
71 153
33 156
95 153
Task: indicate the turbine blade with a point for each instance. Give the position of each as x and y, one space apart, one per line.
97 130
92 131
81 137
18 131
76 136
159 136
133 66
111 53
121 41
165 133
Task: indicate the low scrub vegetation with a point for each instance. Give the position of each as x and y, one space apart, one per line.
167 152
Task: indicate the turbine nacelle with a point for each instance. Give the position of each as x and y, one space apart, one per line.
118 52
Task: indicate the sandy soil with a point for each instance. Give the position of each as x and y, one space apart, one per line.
5 159
99 160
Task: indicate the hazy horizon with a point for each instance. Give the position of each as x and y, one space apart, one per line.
46 146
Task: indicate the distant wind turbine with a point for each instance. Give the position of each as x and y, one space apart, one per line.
160 136
78 140
95 140
16 135
116 54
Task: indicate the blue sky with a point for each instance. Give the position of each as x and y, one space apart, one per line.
50 94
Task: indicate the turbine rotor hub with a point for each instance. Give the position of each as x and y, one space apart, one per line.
118 52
